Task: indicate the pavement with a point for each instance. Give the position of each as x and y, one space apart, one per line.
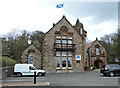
26 84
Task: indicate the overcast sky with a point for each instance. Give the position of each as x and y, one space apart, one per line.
98 18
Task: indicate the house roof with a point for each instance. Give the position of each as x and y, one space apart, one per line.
29 46
58 23
89 44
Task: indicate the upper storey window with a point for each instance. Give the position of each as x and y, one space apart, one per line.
63 36
81 30
97 51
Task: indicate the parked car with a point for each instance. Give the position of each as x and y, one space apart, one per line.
27 69
110 70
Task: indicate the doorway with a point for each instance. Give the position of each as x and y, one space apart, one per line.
97 64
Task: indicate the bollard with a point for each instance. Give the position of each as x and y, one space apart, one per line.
35 77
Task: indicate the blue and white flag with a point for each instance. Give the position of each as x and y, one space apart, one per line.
59 6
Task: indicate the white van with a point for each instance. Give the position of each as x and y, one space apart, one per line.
27 69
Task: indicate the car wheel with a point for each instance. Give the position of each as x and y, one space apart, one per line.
19 75
111 74
105 74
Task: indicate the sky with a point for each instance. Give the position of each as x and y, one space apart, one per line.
98 18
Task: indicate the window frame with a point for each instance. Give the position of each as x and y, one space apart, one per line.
67 59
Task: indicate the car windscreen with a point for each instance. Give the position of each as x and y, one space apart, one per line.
32 68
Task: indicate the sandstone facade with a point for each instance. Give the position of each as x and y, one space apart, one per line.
51 47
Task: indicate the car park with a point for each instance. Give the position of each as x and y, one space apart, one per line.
110 70
27 70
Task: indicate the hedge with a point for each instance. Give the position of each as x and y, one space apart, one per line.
6 61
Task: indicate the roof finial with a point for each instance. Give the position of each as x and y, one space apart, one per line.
53 24
96 38
64 16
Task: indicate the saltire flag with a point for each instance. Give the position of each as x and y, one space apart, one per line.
59 6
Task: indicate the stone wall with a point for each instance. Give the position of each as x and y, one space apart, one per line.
7 72
94 57
25 53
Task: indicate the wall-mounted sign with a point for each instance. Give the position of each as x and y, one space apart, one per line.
78 57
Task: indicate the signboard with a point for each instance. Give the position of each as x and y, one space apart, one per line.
78 57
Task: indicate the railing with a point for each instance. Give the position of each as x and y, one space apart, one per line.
64 46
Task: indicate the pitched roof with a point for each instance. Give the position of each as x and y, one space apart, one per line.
89 44
29 46
58 23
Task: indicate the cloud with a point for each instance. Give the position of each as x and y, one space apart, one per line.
101 29
28 15
98 18
101 11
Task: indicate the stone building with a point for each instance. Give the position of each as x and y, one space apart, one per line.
31 55
64 47
96 54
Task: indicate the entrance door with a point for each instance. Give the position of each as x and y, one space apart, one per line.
98 63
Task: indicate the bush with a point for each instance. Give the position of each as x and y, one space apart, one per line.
6 61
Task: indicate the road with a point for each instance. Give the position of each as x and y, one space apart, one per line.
88 78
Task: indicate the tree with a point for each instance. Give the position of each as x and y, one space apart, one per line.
36 38
112 44
14 43
116 45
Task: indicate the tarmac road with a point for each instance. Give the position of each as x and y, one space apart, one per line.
89 78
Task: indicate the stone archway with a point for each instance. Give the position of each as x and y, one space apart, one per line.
98 63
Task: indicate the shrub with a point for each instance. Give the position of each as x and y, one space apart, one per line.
6 61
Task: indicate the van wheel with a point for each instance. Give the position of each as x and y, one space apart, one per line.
19 75
111 74
39 74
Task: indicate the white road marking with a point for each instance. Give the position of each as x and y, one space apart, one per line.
110 77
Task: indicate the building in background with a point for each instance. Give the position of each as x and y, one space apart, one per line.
96 54
31 55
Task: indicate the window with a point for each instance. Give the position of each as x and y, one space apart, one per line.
64 53
81 31
77 61
97 51
58 36
64 36
57 62
69 61
57 53
69 37
31 59
64 41
32 68
91 52
69 41
58 41
70 53
64 62
64 59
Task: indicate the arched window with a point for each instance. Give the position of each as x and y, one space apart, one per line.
81 30
31 58
97 51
